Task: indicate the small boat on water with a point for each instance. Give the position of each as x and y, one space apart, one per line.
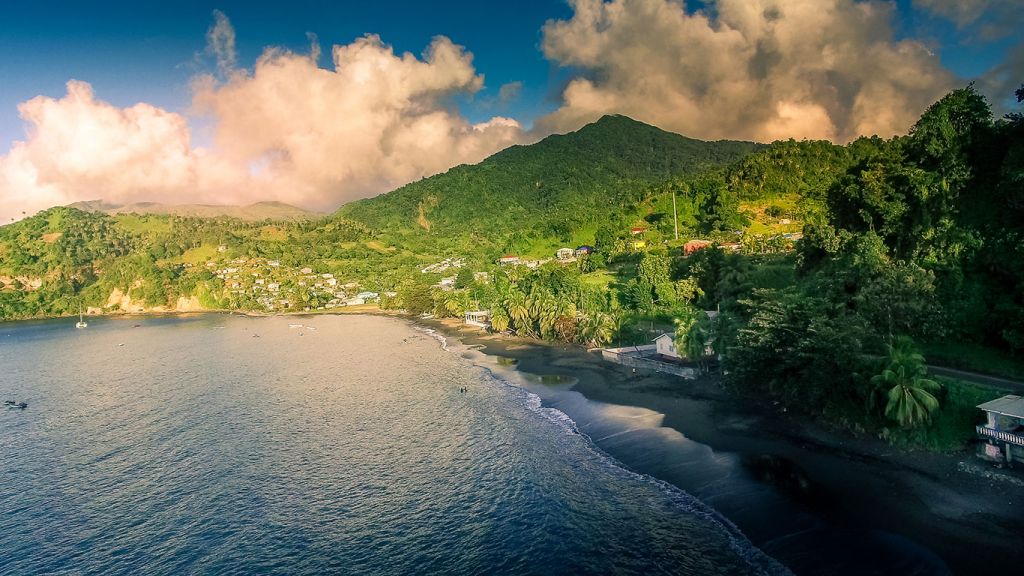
17 405
81 320
295 325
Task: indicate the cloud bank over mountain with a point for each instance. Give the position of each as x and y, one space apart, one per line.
748 69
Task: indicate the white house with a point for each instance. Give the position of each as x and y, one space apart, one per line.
666 345
565 254
1003 430
508 259
481 318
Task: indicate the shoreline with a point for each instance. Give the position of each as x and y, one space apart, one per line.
952 504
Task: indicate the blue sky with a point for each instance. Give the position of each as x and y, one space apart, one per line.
146 51
316 136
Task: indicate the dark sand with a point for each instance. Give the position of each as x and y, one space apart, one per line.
818 501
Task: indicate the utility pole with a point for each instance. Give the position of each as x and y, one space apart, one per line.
675 216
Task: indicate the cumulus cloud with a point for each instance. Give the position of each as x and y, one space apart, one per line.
750 69
288 130
375 121
80 148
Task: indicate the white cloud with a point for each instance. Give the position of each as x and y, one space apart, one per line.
750 69
377 120
288 131
79 148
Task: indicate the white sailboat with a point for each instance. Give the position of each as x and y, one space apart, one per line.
81 321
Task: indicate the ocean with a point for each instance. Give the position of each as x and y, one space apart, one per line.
328 444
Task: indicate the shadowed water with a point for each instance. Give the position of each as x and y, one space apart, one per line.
221 444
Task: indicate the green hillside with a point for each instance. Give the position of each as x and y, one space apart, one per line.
252 212
562 184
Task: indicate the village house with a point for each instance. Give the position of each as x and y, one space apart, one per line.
584 250
694 245
306 270
367 296
666 345
565 254
636 231
1003 430
480 318
508 260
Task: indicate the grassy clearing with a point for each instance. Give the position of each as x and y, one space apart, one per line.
599 279
379 247
199 255
143 224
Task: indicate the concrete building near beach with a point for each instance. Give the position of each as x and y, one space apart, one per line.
1003 430
666 345
479 318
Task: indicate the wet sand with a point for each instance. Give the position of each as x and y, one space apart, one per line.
818 501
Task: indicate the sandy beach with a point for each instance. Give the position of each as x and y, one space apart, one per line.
798 491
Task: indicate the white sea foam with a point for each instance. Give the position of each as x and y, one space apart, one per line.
433 334
759 562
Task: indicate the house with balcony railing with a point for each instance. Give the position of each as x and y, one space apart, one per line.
1003 430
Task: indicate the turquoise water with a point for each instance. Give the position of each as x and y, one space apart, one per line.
224 444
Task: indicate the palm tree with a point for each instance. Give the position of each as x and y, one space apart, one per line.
696 343
518 310
596 329
499 319
911 396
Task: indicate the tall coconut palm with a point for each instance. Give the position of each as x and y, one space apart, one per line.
518 309
596 329
499 318
911 397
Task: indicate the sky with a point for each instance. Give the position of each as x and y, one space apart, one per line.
320 103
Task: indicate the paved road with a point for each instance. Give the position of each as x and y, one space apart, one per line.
993 382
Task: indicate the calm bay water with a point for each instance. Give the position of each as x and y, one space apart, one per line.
224 444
